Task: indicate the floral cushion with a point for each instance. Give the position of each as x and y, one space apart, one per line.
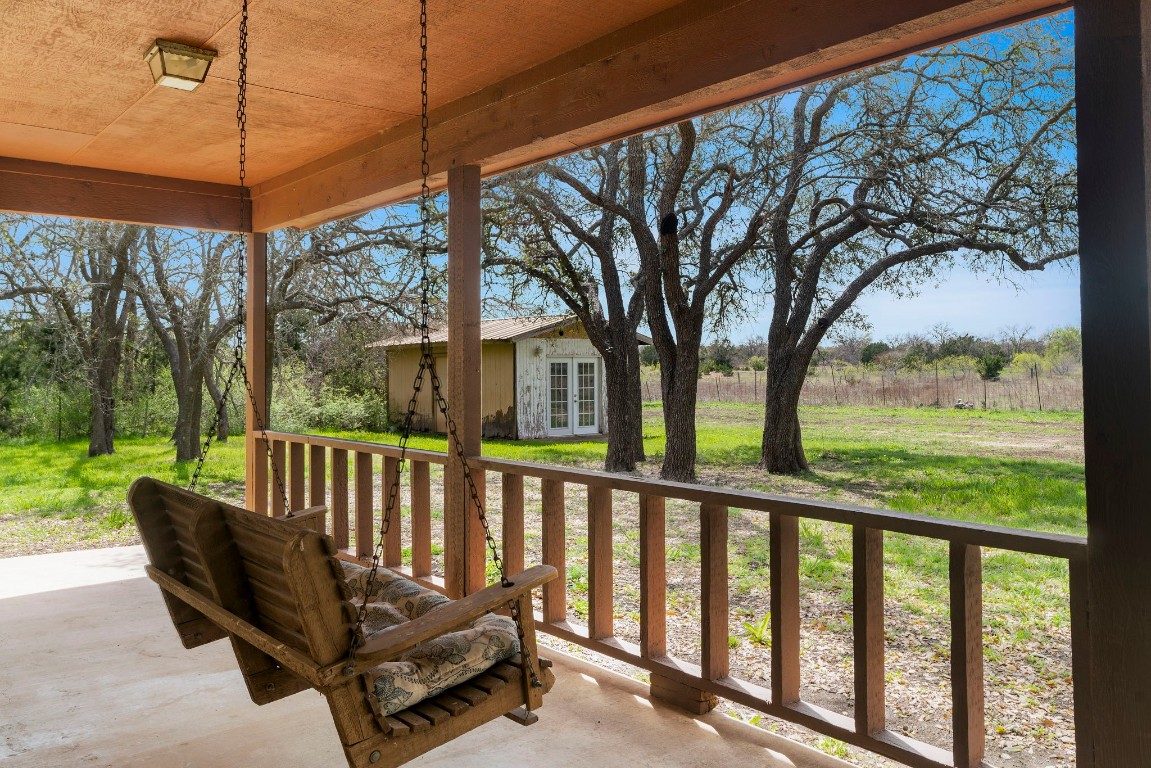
435 665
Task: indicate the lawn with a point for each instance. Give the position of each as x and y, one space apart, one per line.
1021 469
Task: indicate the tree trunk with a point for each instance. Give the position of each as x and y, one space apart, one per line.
680 390
189 412
624 407
782 447
224 423
101 440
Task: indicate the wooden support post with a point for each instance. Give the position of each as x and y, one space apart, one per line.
296 477
317 476
967 655
867 575
555 602
258 342
365 533
463 537
340 497
393 545
1113 113
278 470
713 525
421 481
513 531
784 545
600 576
652 577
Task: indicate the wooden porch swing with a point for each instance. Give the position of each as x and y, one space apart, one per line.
278 589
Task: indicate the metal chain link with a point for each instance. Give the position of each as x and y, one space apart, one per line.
238 365
427 365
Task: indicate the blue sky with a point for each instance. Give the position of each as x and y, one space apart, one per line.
969 303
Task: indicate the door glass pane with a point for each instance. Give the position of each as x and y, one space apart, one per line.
585 393
558 397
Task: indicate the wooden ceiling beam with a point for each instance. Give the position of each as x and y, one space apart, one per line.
54 189
694 58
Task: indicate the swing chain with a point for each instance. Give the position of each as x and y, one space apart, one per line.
238 365
427 364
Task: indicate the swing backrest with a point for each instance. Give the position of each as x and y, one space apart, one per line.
164 515
281 578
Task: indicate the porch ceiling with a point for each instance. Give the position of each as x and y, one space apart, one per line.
334 85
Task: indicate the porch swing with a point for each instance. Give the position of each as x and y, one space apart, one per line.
403 671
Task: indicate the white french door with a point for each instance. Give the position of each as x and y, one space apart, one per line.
573 395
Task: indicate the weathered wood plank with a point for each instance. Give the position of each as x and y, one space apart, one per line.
554 549
256 343
365 519
513 528
784 545
1081 663
296 476
652 576
967 656
601 583
340 497
461 535
54 189
279 503
713 531
1113 113
867 600
317 476
393 545
421 480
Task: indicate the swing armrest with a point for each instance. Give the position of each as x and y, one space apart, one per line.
304 516
449 616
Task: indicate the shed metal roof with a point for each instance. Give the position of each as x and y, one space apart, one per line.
499 329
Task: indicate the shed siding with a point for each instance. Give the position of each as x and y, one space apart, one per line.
532 385
497 396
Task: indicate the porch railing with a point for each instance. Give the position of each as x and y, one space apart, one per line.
324 466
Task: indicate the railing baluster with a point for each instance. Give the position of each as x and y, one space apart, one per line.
652 576
967 655
421 480
317 476
867 576
393 545
513 533
365 535
277 471
554 551
340 497
713 532
600 575
296 478
1080 672
784 543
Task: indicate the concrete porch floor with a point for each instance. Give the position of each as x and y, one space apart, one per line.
92 674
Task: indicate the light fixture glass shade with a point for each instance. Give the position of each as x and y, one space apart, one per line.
178 66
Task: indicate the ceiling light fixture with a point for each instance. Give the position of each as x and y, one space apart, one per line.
178 66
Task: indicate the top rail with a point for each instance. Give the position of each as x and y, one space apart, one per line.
359 446
957 531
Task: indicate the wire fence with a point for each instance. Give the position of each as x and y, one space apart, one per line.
826 387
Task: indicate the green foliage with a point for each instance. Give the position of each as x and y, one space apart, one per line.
872 351
717 358
990 365
757 363
648 355
759 632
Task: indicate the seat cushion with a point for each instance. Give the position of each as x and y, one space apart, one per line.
431 667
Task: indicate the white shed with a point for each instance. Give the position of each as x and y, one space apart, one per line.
541 378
